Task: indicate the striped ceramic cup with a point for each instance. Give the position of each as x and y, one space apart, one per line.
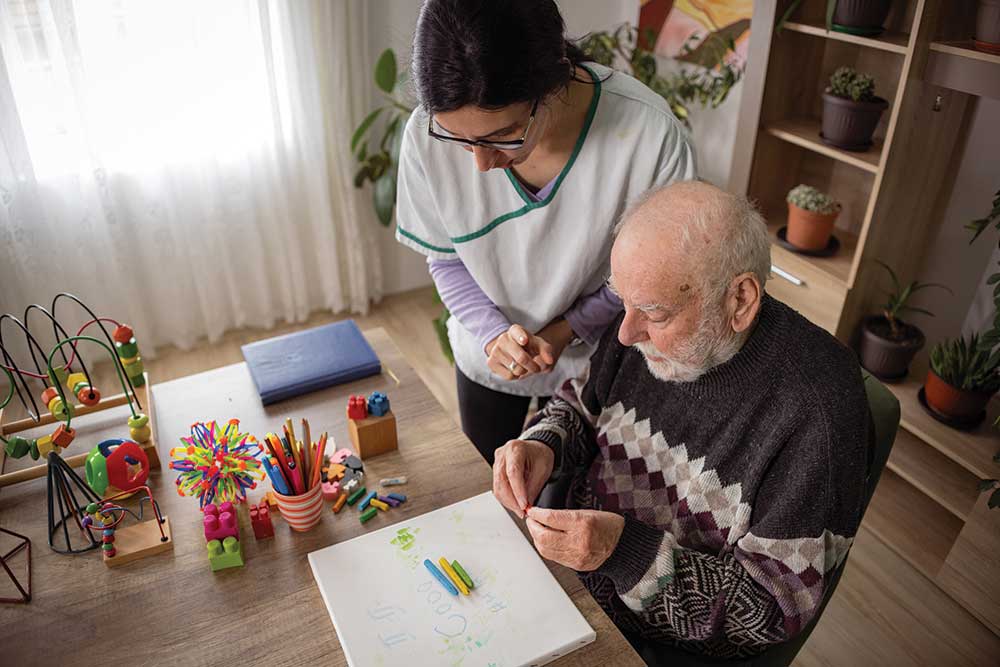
302 512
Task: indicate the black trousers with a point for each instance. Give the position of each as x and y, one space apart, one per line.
490 418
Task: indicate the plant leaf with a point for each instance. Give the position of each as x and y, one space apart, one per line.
384 196
365 124
385 71
831 5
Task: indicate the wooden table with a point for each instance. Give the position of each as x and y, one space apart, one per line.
171 609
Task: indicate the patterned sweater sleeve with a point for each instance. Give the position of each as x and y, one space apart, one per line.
770 583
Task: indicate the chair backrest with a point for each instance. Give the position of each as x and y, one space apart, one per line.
883 408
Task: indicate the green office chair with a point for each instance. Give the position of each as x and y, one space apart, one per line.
884 409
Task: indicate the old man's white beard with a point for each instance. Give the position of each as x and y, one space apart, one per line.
711 345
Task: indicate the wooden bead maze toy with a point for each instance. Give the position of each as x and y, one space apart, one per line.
67 389
145 538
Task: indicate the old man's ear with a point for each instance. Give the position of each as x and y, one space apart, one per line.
745 296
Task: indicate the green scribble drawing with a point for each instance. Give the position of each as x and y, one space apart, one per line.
457 516
405 539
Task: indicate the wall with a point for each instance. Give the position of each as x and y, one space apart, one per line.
390 24
951 260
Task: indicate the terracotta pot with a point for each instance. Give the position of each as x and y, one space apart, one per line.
863 14
886 358
809 230
848 124
951 401
988 26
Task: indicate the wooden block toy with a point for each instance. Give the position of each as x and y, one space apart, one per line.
373 435
220 522
331 490
260 519
339 505
138 541
225 554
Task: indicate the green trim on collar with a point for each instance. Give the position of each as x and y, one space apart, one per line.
532 205
425 244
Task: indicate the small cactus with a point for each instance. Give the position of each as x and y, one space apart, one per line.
809 198
846 82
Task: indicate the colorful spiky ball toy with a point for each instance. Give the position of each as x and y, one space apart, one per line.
217 464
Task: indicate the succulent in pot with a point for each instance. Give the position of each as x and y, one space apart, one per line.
888 344
962 378
857 17
811 217
851 110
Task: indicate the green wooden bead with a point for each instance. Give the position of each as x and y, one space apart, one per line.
126 350
108 546
78 386
18 446
34 449
58 374
138 421
138 380
135 368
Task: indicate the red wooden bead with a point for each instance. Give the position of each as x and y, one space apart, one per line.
88 396
49 394
123 333
63 436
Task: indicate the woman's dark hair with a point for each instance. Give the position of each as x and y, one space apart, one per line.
490 53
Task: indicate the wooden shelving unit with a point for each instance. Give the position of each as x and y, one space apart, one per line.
895 42
927 507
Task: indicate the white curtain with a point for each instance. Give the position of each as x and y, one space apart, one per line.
184 165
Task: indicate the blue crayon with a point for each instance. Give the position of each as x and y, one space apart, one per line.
443 580
363 505
400 497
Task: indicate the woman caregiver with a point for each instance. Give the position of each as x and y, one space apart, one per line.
512 173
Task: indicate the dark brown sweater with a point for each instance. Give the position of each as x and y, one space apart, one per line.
741 491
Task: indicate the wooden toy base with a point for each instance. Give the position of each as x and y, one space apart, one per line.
138 541
145 398
373 435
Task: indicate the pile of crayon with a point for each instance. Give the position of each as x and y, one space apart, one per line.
452 576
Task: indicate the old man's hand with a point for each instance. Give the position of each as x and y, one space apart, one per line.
578 539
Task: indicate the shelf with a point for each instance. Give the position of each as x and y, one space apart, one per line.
888 41
837 267
973 450
944 481
911 524
804 132
964 49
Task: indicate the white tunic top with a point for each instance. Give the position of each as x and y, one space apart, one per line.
534 259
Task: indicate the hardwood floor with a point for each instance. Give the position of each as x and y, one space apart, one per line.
884 611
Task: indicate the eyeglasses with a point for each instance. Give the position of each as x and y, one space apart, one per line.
496 145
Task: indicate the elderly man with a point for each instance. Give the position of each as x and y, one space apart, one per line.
718 447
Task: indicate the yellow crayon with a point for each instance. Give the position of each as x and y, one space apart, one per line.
374 502
450 571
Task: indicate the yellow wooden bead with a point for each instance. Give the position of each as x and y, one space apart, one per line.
130 360
46 445
141 434
75 378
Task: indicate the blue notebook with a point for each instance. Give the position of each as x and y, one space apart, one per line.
306 361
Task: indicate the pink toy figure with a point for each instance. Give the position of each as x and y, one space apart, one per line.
331 490
220 522
340 455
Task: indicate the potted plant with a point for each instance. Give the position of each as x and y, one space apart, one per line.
888 344
811 216
962 378
857 17
988 26
851 110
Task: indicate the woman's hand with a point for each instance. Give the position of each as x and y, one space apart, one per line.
516 354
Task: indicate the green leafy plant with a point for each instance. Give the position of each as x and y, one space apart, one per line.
809 198
379 160
898 302
846 82
708 84
831 5
987 484
963 365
